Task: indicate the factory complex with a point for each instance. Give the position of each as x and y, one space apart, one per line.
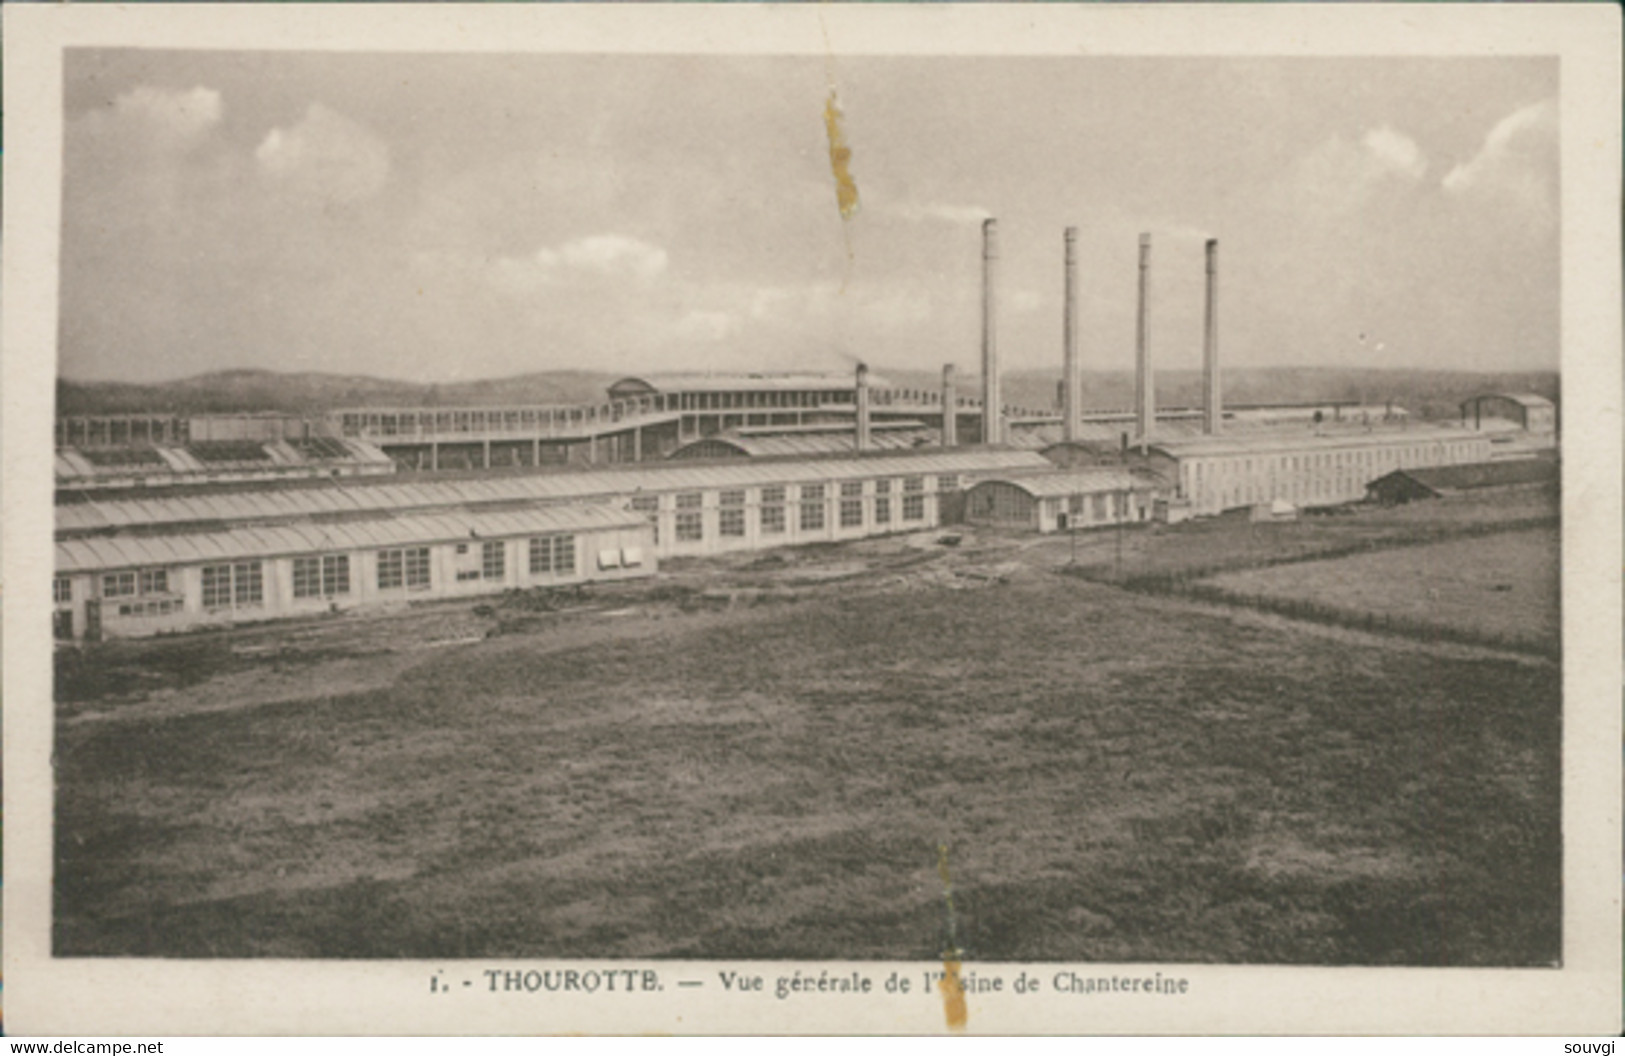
167 522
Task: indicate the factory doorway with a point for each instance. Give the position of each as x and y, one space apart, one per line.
93 620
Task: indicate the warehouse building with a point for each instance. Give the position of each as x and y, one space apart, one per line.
1533 414
132 585
1060 500
1411 485
133 566
1214 474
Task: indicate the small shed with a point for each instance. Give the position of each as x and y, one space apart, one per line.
1060 500
1410 485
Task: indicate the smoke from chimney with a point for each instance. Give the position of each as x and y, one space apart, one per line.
992 406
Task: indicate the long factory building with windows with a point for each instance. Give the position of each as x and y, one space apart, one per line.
130 567
1216 473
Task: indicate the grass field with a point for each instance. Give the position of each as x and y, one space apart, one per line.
1503 585
1227 544
1116 777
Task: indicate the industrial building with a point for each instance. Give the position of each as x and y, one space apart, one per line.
670 483
131 585
1436 482
713 464
807 441
209 461
1209 475
132 566
1531 413
1060 500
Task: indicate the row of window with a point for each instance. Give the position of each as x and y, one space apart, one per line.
319 576
156 607
130 584
553 555
688 523
326 576
776 493
716 401
225 586
403 569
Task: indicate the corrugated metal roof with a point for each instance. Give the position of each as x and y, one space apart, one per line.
790 445
1275 440
1526 399
358 496
102 553
174 460
843 426
1479 474
802 382
1070 482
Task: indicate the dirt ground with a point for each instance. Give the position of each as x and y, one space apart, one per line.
761 757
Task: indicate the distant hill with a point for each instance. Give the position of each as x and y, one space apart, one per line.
310 392
1427 393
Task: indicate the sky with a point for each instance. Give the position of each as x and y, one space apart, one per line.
438 218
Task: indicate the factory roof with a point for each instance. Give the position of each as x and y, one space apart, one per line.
357 497
1504 473
102 553
1070 482
811 442
1328 437
202 457
763 382
1525 399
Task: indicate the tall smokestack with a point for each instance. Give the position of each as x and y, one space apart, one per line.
1072 370
950 408
992 406
1212 395
1145 396
862 399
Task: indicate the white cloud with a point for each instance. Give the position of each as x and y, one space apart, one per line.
1516 163
1340 176
610 255
325 155
706 326
1396 152
176 116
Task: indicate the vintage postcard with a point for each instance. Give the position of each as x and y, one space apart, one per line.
809 518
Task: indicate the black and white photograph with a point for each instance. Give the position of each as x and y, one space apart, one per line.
654 506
